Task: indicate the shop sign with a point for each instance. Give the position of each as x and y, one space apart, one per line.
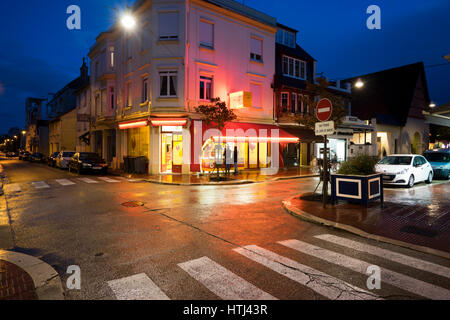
241 99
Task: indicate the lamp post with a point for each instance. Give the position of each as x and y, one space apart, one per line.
359 83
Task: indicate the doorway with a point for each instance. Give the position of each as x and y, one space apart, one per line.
171 153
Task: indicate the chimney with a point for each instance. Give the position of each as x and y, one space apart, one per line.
84 71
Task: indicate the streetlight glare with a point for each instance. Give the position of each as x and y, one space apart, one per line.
128 21
359 84
432 104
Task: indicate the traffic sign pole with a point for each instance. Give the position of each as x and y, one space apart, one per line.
325 175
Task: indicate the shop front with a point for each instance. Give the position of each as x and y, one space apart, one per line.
338 149
136 136
171 144
258 146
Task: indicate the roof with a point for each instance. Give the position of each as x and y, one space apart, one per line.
282 26
297 52
388 95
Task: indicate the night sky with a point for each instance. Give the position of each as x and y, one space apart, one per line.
39 55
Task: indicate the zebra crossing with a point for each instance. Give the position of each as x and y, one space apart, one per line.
229 286
42 185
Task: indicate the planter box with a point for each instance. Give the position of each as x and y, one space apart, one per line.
359 189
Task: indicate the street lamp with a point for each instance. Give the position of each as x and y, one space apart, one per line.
128 21
359 83
24 132
432 104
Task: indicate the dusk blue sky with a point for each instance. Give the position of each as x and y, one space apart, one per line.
39 55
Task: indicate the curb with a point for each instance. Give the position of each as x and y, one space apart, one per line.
312 218
46 280
241 182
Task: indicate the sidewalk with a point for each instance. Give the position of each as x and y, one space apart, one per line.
244 177
23 277
419 221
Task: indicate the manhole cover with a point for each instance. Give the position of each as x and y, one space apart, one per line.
430 233
133 204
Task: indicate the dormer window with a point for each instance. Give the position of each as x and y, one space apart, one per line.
286 38
294 68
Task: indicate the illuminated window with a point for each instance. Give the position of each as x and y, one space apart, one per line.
205 88
111 57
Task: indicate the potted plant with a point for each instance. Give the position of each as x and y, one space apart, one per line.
357 181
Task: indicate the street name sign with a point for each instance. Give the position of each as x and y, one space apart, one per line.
324 110
324 128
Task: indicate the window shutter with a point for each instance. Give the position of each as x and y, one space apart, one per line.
168 25
207 33
256 46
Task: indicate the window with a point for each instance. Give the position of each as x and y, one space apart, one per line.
256 90
205 88
206 34
111 57
168 26
294 68
112 97
103 101
293 102
128 95
97 104
256 49
300 103
168 84
286 38
145 90
284 100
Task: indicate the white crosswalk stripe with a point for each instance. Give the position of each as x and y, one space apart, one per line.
15 187
40 185
393 278
108 180
87 180
222 282
386 254
137 287
326 285
65 182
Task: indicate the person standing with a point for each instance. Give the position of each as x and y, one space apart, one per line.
227 159
235 155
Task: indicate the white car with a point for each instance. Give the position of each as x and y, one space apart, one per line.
63 158
405 169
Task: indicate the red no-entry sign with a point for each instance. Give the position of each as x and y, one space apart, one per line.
324 109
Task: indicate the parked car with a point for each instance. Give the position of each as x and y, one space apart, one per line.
51 160
21 153
405 169
11 154
26 156
87 161
37 157
63 158
440 161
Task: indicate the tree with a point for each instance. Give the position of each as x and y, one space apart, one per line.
216 115
321 90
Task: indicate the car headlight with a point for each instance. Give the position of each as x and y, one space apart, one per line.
403 171
87 165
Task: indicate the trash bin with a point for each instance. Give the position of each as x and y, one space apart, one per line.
140 165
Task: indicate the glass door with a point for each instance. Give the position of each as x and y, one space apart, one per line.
166 153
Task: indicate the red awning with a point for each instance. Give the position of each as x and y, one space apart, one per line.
256 133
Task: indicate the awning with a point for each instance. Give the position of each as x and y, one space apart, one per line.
133 124
305 135
254 132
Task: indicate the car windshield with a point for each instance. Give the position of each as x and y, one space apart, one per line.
437 157
397 160
68 154
89 156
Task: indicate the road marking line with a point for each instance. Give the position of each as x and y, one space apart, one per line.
322 283
87 180
386 254
222 282
108 180
15 187
65 182
40 185
393 278
137 287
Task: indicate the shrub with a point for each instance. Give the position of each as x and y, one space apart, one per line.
361 165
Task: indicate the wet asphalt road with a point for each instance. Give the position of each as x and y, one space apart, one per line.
85 224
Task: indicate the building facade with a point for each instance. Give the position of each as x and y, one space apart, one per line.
36 126
62 132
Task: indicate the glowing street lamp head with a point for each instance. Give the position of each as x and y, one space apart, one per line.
432 104
359 84
128 21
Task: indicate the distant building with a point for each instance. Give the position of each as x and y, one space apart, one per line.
439 120
83 141
62 132
394 101
36 126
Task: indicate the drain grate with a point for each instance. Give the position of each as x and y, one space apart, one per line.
133 204
430 233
